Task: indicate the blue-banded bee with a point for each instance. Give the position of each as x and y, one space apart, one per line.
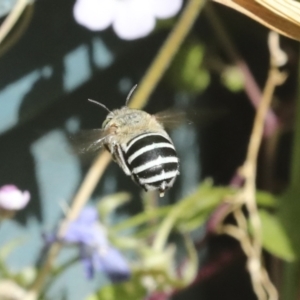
140 145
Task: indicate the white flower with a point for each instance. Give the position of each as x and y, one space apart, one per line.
11 198
130 19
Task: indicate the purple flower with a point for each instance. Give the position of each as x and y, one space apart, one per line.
130 19
11 198
105 259
95 251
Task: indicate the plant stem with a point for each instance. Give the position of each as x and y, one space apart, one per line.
251 87
12 18
166 53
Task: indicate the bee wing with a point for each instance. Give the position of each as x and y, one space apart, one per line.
88 141
172 118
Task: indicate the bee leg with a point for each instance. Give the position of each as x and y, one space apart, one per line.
118 154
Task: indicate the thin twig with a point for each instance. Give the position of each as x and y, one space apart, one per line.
12 18
90 181
252 243
18 31
251 87
166 53
249 168
87 187
260 280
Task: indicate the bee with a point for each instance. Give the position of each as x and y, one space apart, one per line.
140 145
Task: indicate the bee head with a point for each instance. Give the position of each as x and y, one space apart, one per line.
118 114
109 117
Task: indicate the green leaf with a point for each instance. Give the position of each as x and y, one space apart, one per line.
110 203
10 246
154 260
275 238
187 72
206 198
130 290
146 231
141 218
125 242
266 199
194 222
289 214
190 268
26 276
233 79
5 251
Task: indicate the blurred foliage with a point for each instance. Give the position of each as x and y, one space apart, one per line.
233 79
146 238
187 72
275 237
23 277
289 212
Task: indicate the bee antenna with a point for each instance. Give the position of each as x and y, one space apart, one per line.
100 104
130 94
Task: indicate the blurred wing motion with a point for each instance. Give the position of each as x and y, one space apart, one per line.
88 141
172 118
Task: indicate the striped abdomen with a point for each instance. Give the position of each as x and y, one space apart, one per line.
153 161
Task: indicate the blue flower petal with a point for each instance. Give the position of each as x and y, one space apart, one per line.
95 251
88 215
90 261
89 267
91 235
114 265
85 229
79 233
108 260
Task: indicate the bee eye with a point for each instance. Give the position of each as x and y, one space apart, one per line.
106 121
